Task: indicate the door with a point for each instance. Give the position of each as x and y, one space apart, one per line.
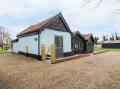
76 47
59 46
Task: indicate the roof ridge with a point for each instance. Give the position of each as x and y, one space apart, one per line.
41 23
87 34
37 26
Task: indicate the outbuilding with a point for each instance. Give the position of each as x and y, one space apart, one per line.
89 43
53 30
78 43
111 44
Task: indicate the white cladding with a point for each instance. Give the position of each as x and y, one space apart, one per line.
47 37
30 42
15 47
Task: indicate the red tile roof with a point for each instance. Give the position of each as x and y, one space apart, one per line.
87 36
35 27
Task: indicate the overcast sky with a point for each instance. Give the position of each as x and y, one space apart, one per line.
17 15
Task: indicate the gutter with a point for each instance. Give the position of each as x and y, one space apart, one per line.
38 45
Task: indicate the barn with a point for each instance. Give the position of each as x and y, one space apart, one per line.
89 43
111 44
78 43
53 30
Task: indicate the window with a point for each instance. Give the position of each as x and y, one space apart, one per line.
35 39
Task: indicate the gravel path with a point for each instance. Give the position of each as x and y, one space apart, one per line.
100 71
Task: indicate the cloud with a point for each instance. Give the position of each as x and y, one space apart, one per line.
78 14
29 8
22 9
14 30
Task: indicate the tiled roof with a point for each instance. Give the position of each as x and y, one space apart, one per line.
35 27
87 36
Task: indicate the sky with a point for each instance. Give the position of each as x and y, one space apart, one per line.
16 15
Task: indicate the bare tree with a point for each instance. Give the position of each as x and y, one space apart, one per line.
105 38
116 36
97 5
96 40
112 37
4 37
116 11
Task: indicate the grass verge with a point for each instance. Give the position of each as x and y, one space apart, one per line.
3 51
110 49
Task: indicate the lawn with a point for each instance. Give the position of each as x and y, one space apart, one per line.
113 49
2 51
97 49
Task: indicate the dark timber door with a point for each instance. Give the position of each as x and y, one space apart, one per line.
59 46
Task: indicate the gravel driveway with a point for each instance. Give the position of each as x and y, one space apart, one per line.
100 71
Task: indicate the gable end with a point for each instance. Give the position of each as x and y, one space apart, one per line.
57 25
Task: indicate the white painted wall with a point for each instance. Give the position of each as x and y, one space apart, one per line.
30 42
27 41
47 38
15 47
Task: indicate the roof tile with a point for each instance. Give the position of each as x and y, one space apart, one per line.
87 36
34 27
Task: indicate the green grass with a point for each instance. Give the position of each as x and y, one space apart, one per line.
98 49
113 49
2 51
110 49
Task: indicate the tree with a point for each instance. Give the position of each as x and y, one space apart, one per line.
116 11
105 38
97 5
96 40
112 37
116 36
4 37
